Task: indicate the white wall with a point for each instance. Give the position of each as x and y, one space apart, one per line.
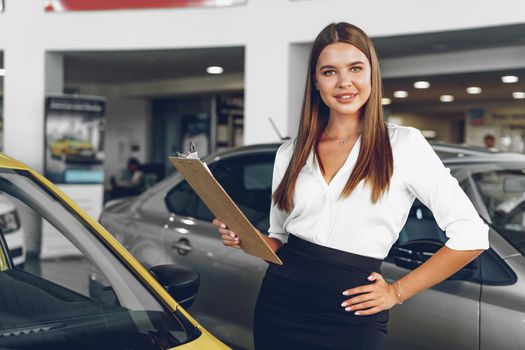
266 28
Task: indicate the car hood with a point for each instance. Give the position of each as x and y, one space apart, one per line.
119 206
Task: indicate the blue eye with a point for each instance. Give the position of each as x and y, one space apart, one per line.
328 73
356 69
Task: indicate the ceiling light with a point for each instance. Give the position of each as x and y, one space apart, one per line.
446 98
400 94
519 95
2 72
214 70
421 84
473 90
509 79
386 101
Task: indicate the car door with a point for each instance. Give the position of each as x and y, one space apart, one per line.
443 317
230 279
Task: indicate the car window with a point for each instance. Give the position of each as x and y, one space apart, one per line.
421 225
503 193
73 293
182 200
248 181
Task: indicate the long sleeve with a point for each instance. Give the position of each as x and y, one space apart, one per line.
278 217
434 186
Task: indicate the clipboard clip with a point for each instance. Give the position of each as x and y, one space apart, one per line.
191 153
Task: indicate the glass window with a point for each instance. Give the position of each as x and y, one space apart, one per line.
421 224
503 192
82 298
247 180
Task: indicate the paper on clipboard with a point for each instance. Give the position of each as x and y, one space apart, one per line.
222 206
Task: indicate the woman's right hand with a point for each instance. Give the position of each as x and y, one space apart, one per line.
229 238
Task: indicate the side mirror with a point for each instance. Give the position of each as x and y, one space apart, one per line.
412 254
181 283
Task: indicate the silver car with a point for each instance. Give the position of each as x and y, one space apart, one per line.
480 307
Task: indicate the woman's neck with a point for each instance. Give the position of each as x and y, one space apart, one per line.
343 127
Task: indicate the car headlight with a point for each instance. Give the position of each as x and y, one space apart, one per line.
9 222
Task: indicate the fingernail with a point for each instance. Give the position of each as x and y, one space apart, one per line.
232 235
348 309
370 278
356 313
346 293
343 304
223 226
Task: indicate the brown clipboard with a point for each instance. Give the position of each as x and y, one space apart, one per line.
223 207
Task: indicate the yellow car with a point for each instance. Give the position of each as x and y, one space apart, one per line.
70 148
98 297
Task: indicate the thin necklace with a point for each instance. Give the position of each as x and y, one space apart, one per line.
340 142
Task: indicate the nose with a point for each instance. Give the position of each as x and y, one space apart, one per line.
345 80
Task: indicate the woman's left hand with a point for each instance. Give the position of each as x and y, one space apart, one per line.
374 297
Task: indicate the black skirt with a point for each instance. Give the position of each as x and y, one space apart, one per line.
299 303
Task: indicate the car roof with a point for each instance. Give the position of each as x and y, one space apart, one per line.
11 163
449 153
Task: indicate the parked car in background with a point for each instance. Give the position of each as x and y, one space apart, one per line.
11 227
480 307
55 304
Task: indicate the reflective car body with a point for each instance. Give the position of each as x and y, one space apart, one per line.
47 304
480 307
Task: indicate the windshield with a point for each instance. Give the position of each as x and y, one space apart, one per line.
61 288
503 192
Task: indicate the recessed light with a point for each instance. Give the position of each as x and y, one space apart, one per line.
2 72
509 79
519 95
400 94
473 90
215 70
421 84
386 101
446 98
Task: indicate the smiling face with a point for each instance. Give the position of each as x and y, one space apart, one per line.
342 77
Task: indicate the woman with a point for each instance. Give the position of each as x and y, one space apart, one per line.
342 192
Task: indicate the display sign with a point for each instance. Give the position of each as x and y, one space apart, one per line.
100 5
74 128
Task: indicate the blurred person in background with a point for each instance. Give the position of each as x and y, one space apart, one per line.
130 183
342 191
489 141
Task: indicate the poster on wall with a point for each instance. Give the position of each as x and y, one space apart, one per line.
101 5
74 130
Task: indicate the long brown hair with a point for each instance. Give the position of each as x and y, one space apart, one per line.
375 163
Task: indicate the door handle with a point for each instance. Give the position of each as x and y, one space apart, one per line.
182 246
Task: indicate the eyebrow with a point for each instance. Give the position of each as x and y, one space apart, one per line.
351 64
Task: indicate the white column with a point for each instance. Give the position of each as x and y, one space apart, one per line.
24 104
298 64
23 84
266 91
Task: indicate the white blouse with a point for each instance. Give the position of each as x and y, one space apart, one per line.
354 224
